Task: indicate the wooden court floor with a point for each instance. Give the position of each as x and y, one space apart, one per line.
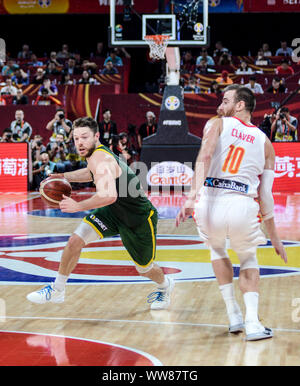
107 303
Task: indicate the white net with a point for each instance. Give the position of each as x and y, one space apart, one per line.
158 45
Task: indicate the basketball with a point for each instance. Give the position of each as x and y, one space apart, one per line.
52 190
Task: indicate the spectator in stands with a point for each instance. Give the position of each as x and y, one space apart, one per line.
53 58
87 78
109 69
64 54
204 56
44 99
202 67
42 169
225 59
116 60
254 86
60 125
52 69
34 62
9 68
25 54
77 57
71 68
91 67
66 80
224 79
119 147
122 53
9 89
58 152
21 129
20 78
284 50
147 128
192 86
37 148
284 68
7 136
188 63
220 50
244 69
215 88
50 87
266 50
39 76
2 101
285 126
266 126
107 128
261 59
20 98
100 52
277 86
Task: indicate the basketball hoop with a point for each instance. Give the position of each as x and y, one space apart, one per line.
158 45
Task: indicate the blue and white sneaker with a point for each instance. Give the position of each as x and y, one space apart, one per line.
256 331
47 294
161 299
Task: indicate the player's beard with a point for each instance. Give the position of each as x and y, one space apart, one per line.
229 113
91 151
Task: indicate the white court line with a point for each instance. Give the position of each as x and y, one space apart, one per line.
138 322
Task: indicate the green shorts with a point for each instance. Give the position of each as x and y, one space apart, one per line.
140 241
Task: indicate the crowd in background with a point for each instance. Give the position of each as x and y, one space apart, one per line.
59 153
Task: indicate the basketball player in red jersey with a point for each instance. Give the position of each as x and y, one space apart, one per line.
234 167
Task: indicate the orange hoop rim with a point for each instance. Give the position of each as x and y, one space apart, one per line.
158 39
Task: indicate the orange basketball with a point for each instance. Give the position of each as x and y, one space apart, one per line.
52 190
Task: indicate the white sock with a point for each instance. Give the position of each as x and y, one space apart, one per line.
60 282
251 303
227 291
165 284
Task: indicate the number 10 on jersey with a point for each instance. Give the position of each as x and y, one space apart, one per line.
233 159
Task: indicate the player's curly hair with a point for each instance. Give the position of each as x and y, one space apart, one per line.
86 122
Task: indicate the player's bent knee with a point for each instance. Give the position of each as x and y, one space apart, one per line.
143 270
218 253
86 233
248 259
75 242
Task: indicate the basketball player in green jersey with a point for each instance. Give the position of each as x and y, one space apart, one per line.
119 206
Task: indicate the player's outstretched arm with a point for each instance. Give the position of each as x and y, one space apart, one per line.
80 175
266 200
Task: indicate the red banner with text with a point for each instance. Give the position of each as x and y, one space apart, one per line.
13 167
287 167
271 6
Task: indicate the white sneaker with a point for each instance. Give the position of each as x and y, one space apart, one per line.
256 331
160 300
236 322
47 294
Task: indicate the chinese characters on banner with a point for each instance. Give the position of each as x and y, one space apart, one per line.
287 167
13 167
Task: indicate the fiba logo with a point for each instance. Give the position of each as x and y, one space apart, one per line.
172 103
119 28
214 3
198 28
44 3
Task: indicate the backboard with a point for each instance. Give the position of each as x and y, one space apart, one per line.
186 22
